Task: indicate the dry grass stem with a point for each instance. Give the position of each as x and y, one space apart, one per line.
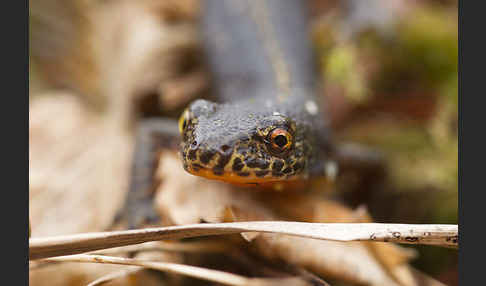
190 247
112 276
192 271
436 234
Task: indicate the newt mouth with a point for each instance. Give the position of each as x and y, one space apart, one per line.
238 178
268 183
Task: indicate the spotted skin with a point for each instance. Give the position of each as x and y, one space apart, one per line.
264 79
230 142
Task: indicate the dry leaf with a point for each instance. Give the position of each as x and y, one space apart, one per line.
72 157
192 199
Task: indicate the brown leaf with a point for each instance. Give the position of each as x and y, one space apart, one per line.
183 199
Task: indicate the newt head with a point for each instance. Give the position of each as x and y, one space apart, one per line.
241 143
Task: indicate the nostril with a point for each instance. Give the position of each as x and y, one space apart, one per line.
225 148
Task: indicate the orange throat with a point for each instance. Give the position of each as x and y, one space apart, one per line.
277 184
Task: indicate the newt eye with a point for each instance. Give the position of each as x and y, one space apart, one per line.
183 121
280 140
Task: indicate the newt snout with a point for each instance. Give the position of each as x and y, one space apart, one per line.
240 143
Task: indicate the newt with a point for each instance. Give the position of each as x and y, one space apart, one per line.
266 126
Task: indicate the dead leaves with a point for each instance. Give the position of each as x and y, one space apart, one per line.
185 199
354 262
79 165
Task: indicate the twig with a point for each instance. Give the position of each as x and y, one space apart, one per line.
112 276
199 247
438 234
192 271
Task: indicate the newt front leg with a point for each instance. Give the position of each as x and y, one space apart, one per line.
153 135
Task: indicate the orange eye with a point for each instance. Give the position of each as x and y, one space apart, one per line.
280 139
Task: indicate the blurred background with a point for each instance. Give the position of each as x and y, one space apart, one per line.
388 70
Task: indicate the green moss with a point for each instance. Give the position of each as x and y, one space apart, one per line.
342 67
424 51
390 135
449 89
